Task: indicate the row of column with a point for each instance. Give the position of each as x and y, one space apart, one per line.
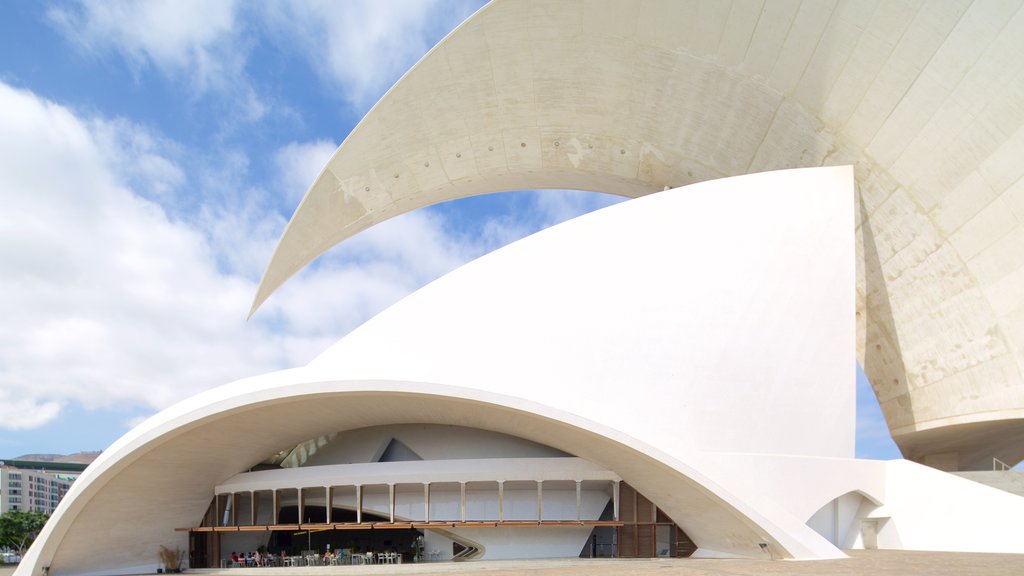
232 503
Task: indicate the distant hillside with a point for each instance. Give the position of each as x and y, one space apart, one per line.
79 458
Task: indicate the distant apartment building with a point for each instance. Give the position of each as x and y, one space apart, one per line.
27 485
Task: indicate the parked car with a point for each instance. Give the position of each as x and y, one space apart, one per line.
11 558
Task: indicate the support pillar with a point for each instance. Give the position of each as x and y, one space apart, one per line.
615 500
274 515
359 504
329 496
501 500
220 515
462 501
579 500
540 500
252 507
214 558
426 501
391 502
302 506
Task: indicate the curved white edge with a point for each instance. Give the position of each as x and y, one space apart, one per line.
725 308
187 425
597 96
263 293
473 353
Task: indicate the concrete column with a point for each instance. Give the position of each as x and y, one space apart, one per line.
222 515
252 507
501 500
359 504
391 502
214 556
540 500
328 496
615 500
426 501
579 500
462 501
234 508
274 515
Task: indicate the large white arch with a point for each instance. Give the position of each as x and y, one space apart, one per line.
630 98
160 477
518 343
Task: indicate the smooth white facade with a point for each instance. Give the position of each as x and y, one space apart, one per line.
628 98
534 341
698 343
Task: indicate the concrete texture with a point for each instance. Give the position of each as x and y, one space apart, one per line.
556 385
1011 481
632 98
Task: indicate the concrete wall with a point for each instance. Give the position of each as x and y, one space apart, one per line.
625 98
932 510
429 442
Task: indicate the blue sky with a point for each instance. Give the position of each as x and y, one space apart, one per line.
151 153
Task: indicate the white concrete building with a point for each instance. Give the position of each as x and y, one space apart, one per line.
677 369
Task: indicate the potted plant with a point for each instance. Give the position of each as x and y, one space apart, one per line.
171 559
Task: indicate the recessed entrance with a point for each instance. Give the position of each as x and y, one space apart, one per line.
646 531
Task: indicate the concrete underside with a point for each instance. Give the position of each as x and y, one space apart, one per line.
633 98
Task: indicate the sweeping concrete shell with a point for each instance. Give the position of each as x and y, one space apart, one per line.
730 333
629 98
728 308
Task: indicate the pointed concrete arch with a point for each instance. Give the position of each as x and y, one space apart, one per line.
839 519
631 98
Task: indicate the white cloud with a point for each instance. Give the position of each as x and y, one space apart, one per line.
109 302
367 273
139 158
105 300
113 297
362 47
359 48
198 41
554 206
299 163
24 414
177 36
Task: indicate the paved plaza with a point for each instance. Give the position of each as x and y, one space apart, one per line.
874 563
861 562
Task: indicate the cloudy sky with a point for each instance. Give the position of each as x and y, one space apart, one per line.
151 154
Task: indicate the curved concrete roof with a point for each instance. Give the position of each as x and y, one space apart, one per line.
629 98
535 351
138 493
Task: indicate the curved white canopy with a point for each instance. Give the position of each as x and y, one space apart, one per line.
629 98
539 340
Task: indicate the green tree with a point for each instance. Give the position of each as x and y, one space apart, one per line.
18 529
